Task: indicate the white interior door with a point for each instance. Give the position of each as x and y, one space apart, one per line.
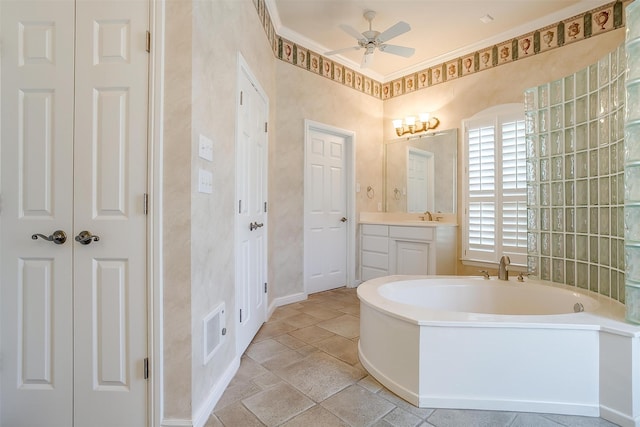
110 167
326 213
37 197
74 145
251 221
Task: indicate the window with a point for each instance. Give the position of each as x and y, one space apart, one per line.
495 194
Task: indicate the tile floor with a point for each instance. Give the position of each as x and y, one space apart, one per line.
302 370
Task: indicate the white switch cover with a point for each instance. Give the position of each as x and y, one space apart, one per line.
205 148
205 181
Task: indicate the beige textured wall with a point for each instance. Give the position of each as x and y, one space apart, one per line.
459 99
304 95
177 212
221 29
200 98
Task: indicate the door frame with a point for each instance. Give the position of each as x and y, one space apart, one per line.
154 217
350 214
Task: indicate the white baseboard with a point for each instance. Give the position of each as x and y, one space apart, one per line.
619 418
176 423
289 299
201 416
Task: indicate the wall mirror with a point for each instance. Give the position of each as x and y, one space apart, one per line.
420 173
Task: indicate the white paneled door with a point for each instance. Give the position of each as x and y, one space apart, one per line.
325 211
73 226
251 218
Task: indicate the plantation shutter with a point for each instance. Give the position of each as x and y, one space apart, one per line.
482 174
514 186
495 199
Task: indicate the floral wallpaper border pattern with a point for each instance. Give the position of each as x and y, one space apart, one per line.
591 23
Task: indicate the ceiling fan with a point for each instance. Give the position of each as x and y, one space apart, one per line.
371 40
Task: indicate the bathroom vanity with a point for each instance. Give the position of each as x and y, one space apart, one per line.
399 246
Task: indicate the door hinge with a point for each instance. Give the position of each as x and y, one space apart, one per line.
239 206
240 97
265 207
265 287
146 368
146 204
240 315
148 41
266 126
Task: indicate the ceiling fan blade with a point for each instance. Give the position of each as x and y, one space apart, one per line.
367 60
397 50
394 31
346 49
352 31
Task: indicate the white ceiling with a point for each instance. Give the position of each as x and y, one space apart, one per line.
440 29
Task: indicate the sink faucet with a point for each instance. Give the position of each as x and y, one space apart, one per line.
503 271
428 216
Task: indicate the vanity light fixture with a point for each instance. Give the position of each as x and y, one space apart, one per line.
412 125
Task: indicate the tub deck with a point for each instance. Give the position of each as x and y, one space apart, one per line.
576 363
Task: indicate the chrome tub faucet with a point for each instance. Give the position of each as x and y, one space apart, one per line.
503 268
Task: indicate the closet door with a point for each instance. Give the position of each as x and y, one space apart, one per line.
36 290
110 169
74 145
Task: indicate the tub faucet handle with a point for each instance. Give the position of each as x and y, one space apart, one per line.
521 276
485 273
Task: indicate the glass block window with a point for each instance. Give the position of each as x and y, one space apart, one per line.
496 191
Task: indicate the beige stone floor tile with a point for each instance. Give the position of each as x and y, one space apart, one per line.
307 350
370 384
248 370
271 330
340 348
311 334
400 418
291 342
277 404
267 380
283 312
346 325
301 320
282 359
213 421
322 313
357 406
320 375
354 310
238 415
233 394
316 417
265 350
403 404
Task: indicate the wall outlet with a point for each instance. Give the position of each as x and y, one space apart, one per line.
379 206
205 181
205 148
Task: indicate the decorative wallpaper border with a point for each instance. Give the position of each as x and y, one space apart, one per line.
588 24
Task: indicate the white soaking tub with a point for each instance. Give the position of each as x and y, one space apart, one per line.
532 346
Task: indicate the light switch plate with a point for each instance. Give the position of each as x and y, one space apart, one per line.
205 148
205 181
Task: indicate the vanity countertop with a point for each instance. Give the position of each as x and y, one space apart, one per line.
411 223
407 220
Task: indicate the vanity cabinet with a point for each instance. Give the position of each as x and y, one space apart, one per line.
399 249
374 251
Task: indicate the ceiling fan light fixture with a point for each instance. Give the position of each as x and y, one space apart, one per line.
372 40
